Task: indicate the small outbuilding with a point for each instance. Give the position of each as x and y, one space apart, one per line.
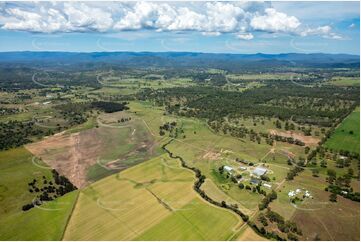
267 185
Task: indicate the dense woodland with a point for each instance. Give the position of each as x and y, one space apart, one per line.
16 133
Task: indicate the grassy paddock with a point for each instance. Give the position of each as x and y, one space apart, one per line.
44 223
347 134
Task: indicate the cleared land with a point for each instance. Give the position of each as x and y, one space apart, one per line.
347 134
95 153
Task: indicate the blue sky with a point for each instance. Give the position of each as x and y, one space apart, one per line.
217 27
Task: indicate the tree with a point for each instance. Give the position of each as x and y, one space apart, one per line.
315 172
223 204
220 169
333 197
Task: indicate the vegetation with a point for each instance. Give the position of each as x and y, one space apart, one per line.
155 141
346 137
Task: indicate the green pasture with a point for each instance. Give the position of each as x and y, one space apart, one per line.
347 134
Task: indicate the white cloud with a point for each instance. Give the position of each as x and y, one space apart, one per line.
211 33
245 36
324 31
208 18
273 21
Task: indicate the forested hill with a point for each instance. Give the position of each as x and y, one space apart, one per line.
183 59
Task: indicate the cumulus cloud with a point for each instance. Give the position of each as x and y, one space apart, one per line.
245 36
208 18
273 21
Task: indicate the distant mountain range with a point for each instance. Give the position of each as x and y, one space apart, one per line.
182 59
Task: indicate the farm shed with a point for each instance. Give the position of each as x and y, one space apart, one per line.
228 168
259 171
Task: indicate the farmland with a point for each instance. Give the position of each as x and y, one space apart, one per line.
168 154
41 223
347 134
161 191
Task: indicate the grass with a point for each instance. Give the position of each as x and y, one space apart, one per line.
196 221
342 139
218 195
331 221
16 170
131 205
345 81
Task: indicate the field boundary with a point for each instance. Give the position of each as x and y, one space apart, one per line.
70 215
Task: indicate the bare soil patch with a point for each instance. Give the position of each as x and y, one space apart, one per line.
210 155
74 155
70 155
308 140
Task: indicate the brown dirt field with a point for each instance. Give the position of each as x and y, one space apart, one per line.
210 155
71 155
308 140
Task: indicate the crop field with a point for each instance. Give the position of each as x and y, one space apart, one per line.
347 134
139 202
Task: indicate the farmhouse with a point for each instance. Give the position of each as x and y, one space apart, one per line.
259 171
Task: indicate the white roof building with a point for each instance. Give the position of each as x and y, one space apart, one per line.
267 185
259 171
228 168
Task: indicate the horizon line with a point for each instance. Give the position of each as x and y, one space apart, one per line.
194 52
